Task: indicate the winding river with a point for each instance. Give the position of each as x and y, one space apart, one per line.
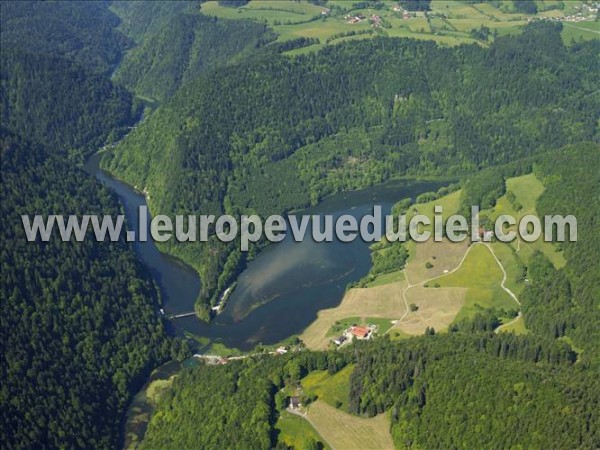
281 291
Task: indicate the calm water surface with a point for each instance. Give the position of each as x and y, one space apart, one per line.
282 290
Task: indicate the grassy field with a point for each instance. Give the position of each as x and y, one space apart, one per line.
442 257
271 11
437 309
387 278
396 334
384 302
586 31
448 23
157 388
294 431
527 189
515 270
344 431
339 326
332 389
482 276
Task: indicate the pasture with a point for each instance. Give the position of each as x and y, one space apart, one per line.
481 275
344 431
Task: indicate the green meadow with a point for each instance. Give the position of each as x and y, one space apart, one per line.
332 389
482 276
295 431
447 23
341 325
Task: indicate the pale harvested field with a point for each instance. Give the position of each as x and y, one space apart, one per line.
447 257
344 431
379 301
437 309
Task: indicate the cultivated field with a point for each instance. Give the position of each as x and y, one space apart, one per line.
448 23
437 309
441 256
344 431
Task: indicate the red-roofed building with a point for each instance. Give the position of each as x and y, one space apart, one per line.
360 332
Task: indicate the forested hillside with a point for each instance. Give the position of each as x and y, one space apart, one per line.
56 102
184 47
565 303
81 31
478 391
146 18
470 389
226 140
79 325
557 303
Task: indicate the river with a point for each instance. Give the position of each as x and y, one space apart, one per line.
283 288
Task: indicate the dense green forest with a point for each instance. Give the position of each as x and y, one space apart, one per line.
141 19
468 389
465 390
54 101
565 302
276 133
184 47
81 31
79 325
478 391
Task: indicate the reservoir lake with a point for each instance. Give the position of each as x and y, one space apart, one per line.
281 291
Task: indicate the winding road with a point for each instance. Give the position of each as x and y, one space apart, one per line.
508 291
502 285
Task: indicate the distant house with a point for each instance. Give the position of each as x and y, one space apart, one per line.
295 403
340 340
360 332
281 350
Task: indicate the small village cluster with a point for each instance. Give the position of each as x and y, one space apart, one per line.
583 13
375 19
